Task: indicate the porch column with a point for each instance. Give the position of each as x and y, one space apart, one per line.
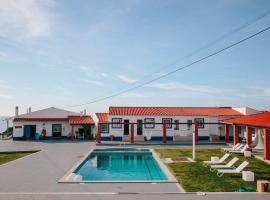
235 134
72 132
196 131
164 133
132 133
99 134
248 135
227 133
266 144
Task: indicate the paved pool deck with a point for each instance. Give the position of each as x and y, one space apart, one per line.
35 176
40 172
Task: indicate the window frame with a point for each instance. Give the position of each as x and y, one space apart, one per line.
107 128
168 125
117 125
149 125
200 124
61 128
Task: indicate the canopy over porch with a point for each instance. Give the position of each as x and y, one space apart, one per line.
83 125
259 121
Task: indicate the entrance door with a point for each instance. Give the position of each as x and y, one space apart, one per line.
139 127
29 132
126 127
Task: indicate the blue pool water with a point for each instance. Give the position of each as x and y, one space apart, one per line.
120 165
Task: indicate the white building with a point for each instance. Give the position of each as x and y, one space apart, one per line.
54 122
145 118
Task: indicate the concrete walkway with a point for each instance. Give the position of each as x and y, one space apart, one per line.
40 171
36 176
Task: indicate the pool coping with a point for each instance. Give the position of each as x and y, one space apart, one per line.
165 170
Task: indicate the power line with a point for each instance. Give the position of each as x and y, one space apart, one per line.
206 46
176 70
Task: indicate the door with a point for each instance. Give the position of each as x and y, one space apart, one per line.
139 127
29 132
126 127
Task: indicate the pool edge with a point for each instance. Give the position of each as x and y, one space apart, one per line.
163 167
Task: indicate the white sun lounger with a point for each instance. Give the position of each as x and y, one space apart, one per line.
220 161
239 169
240 151
231 148
227 166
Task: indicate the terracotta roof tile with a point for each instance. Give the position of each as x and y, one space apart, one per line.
174 111
80 120
257 120
102 117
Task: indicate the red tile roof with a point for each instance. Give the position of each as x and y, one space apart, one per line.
102 117
257 120
80 120
174 111
40 119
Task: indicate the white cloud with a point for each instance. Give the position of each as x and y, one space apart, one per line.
194 88
7 96
258 92
85 68
3 56
126 79
98 83
25 19
104 74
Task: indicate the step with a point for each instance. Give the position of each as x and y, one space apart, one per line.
139 138
180 138
126 138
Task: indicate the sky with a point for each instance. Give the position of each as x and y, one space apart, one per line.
62 53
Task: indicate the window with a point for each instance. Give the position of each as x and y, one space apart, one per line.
116 122
149 123
168 122
56 130
200 122
104 128
189 124
176 125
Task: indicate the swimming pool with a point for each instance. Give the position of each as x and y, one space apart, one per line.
120 164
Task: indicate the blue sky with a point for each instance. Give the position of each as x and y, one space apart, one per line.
58 53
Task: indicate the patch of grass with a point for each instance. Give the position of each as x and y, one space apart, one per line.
10 156
196 176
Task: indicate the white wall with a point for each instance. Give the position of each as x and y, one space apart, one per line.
18 132
157 131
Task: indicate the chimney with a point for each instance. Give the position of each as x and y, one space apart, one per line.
29 110
84 111
16 111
